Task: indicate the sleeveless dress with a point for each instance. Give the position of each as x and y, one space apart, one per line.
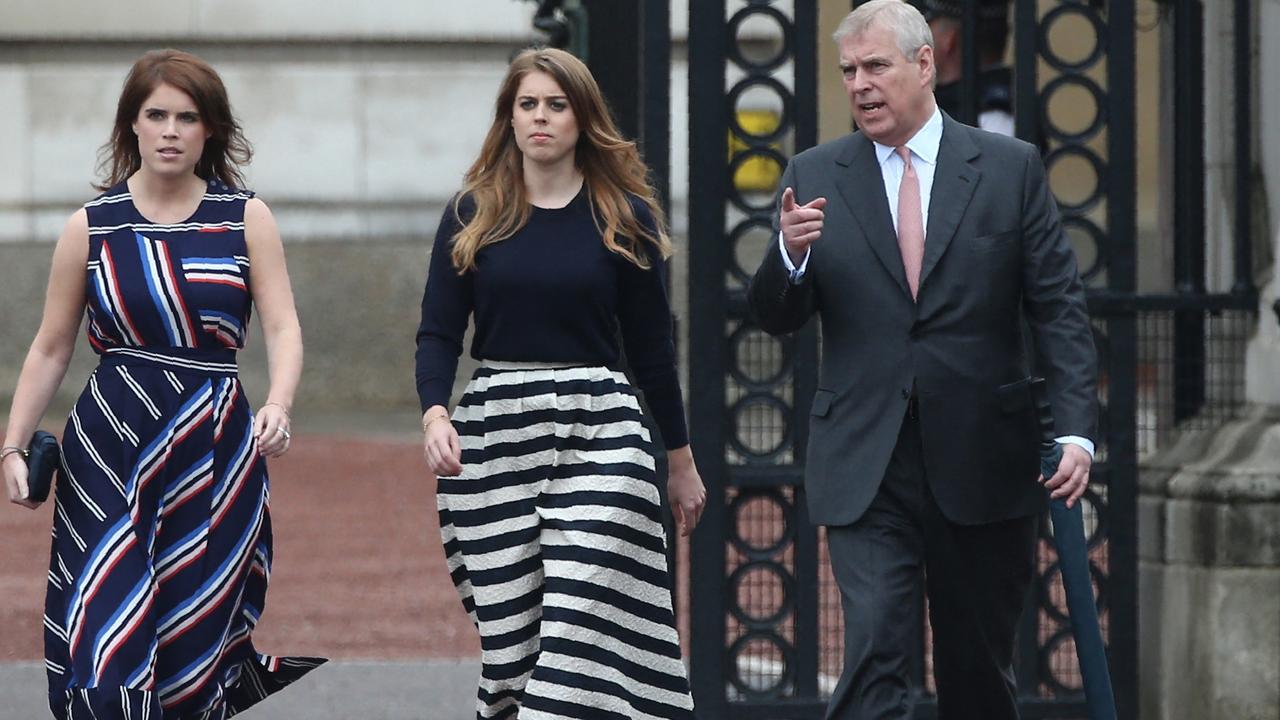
161 532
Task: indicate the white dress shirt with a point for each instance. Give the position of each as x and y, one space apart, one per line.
924 158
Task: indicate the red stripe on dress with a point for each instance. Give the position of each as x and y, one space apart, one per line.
171 276
124 635
115 296
98 581
233 283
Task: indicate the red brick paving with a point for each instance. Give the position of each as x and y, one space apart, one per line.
358 569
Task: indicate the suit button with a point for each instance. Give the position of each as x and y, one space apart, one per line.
906 394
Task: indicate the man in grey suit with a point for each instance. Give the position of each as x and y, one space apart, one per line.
922 244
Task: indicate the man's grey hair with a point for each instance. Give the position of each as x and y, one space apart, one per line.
906 22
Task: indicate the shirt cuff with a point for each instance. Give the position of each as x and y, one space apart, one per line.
1085 443
796 272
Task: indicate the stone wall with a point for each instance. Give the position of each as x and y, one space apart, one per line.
363 116
1209 574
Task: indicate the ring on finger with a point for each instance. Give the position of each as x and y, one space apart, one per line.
285 433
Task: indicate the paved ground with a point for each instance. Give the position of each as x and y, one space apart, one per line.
348 690
359 577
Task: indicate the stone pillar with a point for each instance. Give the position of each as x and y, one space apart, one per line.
1209 574
1262 361
1209 506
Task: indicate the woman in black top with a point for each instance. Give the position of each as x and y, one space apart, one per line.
548 504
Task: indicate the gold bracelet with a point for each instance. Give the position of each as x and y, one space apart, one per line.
8 450
282 407
427 424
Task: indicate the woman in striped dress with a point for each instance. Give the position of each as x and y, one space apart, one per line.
548 504
161 534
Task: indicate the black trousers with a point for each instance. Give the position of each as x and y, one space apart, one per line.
976 578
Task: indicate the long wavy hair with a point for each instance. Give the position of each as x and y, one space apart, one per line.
610 164
225 152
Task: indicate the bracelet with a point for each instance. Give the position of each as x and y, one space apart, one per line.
13 450
427 424
282 407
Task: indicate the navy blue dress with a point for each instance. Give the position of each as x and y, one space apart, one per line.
161 532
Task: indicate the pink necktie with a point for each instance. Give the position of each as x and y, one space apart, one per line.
910 222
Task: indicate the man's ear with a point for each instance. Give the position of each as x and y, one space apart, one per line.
925 59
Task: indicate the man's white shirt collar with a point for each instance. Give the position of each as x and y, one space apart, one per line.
924 144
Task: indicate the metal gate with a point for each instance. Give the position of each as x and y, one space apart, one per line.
766 621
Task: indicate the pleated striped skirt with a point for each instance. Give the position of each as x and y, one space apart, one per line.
554 540
161 548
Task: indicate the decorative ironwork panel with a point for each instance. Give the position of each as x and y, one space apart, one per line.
1081 113
754 561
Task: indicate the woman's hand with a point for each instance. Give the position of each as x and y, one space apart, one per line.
15 479
685 491
440 445
271 428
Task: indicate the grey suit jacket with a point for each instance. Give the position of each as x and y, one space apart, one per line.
994 254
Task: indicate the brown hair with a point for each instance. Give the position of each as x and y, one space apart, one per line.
611 167
225 151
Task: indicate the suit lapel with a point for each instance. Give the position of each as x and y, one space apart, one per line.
954 181
862 189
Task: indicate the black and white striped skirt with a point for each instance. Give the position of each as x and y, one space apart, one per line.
554 539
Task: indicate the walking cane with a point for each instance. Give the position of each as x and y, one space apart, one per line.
1073 560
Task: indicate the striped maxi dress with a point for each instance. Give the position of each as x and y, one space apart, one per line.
161 534
554 540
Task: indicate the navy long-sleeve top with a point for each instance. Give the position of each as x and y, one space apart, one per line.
552 292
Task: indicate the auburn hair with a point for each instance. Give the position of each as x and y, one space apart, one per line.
613 173
226 150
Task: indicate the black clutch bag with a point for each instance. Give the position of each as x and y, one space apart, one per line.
44 457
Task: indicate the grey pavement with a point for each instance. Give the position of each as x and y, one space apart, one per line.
370 690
